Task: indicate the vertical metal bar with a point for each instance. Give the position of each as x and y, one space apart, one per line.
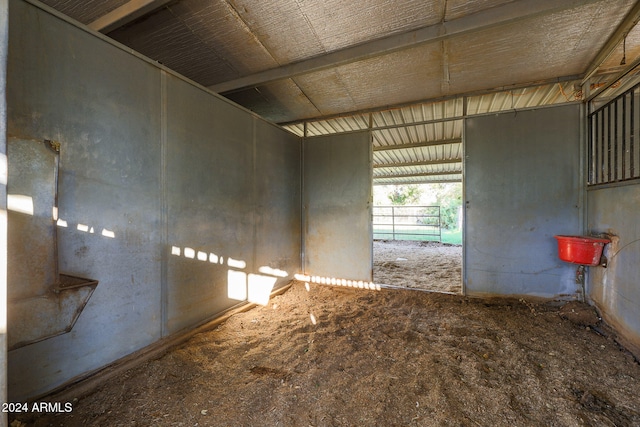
601 150
631 135
636 146
623 166
393 223
590 150
615 141
596 144
609 112
590 125
594 161
439 225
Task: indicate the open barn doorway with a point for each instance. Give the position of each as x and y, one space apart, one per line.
417 236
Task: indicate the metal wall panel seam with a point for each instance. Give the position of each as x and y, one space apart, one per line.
303 222
164 222
254 197
463 274
583 210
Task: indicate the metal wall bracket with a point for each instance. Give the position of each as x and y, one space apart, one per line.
42 303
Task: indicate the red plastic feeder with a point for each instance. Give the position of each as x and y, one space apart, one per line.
581 250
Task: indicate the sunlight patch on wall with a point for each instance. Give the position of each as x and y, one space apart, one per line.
105 232
272 271
333 281
3 273
260 288
241 286
204 256
20 203
4 170
189 253
108 233
236 263
237 285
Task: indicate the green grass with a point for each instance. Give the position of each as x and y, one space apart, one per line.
417 233
453 237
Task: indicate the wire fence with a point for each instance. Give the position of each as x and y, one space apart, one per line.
407 223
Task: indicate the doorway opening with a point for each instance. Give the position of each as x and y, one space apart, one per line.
417 236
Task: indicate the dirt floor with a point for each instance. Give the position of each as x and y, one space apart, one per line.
335 356
419 265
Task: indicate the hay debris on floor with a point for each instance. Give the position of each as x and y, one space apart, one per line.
323 356
428 266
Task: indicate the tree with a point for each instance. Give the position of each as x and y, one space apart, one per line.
405 194
449 197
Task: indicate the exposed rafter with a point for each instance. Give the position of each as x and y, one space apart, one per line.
507 13
619 34
126 13
422 163
409 175
628 69
417 144
419 181
571 78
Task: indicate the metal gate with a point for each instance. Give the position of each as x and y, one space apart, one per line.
614 150
407 223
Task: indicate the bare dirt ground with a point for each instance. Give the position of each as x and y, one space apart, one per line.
327 356
419 265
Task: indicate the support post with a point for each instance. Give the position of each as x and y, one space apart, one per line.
393 222
4 47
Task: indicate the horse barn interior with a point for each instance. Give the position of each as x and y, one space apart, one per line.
186 197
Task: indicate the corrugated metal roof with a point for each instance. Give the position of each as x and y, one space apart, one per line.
416 143
418 180
434 153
